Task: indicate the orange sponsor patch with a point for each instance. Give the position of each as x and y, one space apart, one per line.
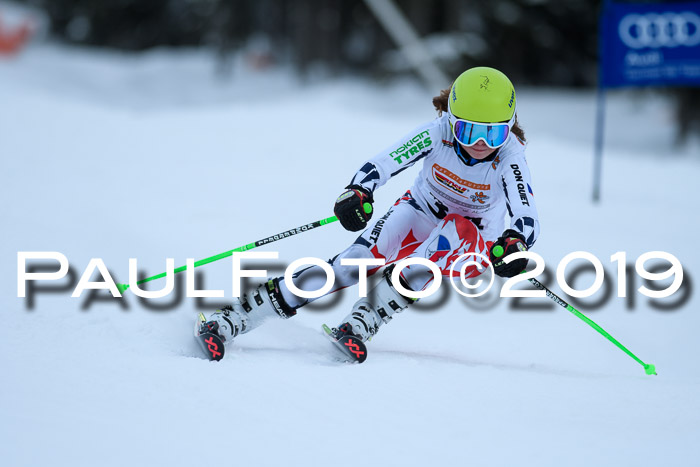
453 182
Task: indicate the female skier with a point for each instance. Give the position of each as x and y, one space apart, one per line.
474 169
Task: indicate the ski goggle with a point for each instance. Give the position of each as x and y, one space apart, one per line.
469 133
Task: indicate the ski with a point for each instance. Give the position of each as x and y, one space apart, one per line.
211 343
352 348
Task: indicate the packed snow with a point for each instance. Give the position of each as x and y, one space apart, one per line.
155 156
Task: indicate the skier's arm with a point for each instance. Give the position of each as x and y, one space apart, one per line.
520 201
401 155
415 146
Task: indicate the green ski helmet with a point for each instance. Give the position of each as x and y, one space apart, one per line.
484 95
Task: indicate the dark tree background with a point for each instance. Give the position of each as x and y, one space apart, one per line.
537 42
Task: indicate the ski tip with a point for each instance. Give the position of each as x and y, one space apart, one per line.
212 345
354 348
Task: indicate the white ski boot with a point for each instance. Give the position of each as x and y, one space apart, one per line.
249 311
369 313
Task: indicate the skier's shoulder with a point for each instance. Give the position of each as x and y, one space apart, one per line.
443 128
440 132
437 128
421 140
513 152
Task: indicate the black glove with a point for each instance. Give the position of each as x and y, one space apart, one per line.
349 208
509 242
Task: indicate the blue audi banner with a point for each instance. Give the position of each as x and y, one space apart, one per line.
650 44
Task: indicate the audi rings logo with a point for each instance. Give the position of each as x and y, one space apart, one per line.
660 30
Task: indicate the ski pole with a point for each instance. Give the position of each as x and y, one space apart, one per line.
249 246
648 367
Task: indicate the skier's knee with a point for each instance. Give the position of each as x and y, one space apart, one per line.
346 276
465 228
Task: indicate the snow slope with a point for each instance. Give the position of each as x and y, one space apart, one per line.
151 156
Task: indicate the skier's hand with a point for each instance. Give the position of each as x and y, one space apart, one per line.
350 208
509 242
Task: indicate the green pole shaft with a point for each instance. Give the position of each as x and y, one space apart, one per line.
648 368
249 246
246 247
